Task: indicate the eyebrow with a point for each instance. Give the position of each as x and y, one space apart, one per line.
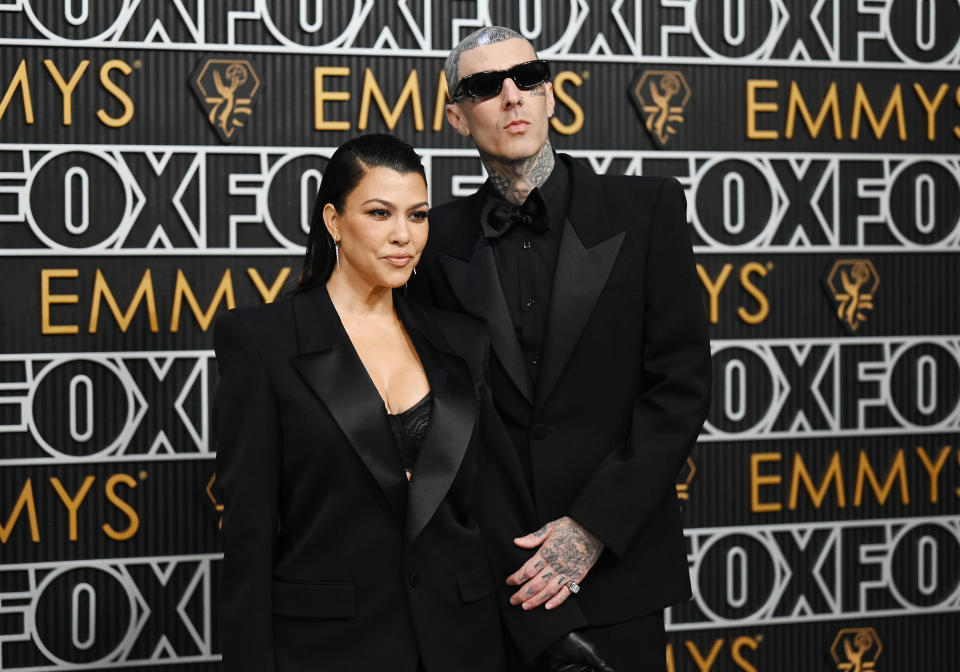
391 205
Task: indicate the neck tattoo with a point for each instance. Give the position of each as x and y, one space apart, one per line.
516 178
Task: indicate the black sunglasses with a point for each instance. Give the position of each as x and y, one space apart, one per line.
490 82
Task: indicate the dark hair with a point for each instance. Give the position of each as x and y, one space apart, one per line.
343 173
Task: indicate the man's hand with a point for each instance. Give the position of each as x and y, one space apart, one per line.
574 653
567 552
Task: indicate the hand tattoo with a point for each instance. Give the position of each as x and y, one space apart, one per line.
570 550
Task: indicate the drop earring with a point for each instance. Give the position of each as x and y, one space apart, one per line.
336 252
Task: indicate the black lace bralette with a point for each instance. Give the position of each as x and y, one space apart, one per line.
409 429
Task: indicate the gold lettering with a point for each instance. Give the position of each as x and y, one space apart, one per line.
101 290
897 470
671 663
565 98
934 469
713 288
757 481
66 88
72 504
46 299
117 92
931 108
320 96
956 129
411 91
830 105
123 506
861 104
833 472
443 95
763 308
183 290
704 665
269 293
25 500
20 81
738 644
754 107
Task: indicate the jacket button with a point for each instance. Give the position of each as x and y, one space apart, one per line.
539 432
414 579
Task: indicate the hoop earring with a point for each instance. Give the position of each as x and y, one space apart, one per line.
336 251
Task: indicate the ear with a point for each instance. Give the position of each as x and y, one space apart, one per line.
457 118
330 221
551 103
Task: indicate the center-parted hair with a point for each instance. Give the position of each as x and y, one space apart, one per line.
343 173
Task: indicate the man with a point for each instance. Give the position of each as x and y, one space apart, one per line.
600 362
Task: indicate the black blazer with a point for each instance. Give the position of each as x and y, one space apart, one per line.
332 561
624 382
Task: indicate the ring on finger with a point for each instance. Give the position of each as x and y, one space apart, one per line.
573 586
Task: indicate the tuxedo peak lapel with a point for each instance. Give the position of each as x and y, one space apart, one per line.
580 276
476 284
332 368
452 421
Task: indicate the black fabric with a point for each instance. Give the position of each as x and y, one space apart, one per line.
332 560
526 241
409 428
624 383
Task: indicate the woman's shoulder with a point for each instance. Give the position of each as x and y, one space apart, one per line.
260 323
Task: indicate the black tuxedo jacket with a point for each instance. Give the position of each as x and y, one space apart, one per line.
332 560
624 381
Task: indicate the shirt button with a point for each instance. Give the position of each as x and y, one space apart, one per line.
530 303
414 579
526 244
539 432
535 361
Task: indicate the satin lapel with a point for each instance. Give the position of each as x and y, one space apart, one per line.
477 285
333 370
588 251
452 420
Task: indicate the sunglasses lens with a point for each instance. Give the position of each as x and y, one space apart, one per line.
483 84
528 75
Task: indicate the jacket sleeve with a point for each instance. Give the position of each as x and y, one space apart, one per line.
667 417
504 510
247 435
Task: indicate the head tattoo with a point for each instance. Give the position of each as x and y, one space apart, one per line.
478 38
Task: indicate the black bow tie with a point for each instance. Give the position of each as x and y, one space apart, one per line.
499 217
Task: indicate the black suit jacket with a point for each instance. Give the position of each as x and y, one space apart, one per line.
332 561
624 382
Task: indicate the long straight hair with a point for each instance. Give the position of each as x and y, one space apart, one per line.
346 168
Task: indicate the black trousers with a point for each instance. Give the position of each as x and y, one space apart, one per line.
637 645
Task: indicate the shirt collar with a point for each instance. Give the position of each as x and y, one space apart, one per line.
552 194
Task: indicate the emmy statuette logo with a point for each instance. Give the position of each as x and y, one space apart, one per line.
660 97
226 89
856 649
852 283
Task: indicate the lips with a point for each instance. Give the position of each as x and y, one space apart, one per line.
398 260
517 125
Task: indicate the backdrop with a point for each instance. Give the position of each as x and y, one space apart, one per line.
158 162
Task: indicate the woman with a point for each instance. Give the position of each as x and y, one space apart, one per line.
348 433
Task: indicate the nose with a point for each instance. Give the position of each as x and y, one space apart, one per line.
400 235
511 94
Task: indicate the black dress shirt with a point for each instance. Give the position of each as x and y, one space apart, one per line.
526 256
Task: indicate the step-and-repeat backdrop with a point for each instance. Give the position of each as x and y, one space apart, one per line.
158 162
